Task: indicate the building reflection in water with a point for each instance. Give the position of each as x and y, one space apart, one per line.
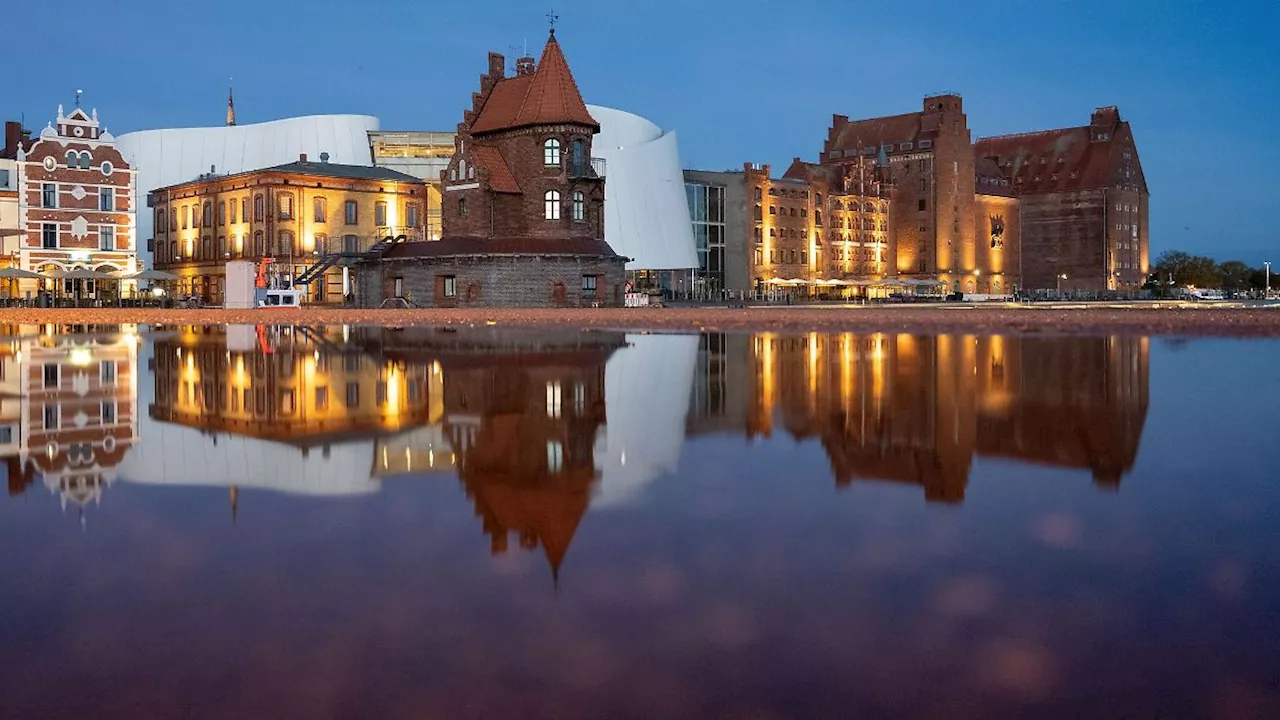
917 409
540 425
68 407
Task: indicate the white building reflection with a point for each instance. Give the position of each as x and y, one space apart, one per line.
647 391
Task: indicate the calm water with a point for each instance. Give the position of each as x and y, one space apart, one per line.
364 522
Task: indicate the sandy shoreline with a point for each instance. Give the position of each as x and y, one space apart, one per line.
1058 319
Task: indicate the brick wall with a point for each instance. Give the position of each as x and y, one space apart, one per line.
520 281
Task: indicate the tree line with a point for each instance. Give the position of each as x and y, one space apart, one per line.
1180 269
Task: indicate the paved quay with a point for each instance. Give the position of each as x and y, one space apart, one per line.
1219 320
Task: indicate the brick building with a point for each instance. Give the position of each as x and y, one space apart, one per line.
75 202
942 223
304 214
523 203
1084 203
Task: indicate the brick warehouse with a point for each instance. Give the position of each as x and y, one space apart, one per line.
523 204
1084 203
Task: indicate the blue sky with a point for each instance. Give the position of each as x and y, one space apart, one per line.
740 80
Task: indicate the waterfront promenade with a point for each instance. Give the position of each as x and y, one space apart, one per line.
1149 318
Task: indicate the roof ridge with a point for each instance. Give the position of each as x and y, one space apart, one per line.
1031 133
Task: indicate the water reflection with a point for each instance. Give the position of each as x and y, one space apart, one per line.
538 425
918 409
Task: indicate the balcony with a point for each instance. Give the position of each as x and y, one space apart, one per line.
593 169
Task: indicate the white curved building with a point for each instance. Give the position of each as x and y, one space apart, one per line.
169 157
646 212
647 388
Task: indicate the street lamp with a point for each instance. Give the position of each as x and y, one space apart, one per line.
1267 294
1061 277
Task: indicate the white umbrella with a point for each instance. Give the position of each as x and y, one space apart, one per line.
151 275
14 273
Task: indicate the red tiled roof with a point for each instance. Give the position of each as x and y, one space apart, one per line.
500 177
447 247
1062 160
550 96
889 130
500 110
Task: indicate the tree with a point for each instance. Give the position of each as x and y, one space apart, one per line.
1236 276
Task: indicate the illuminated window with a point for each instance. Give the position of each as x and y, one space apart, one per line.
553 399
555 456
551 204
551 152
759 256
579 207
286 206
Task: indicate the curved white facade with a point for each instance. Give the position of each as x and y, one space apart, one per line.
646 211
169 157
646 397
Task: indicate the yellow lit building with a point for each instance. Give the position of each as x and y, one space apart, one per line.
422 154
295 213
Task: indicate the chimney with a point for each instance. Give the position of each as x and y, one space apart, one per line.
524 66
302 158
324 157
14 135
497 65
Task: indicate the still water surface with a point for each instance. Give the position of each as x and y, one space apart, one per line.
368 522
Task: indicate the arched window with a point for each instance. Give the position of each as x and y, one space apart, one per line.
257 244
207 215
85 159
259 207
285 200
160 223
206 248
173 251
471 173
453 175
462 168
73 159
462 207
551 152
551 203
319 210
285 246
579 206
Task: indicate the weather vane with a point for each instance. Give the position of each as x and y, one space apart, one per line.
553 18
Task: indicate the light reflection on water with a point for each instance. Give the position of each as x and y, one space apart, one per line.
419 522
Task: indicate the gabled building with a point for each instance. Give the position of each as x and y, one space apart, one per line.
75 201
522 207
1084 203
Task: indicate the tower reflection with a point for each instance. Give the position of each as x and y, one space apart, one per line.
917 409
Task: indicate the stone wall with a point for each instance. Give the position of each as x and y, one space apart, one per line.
508 281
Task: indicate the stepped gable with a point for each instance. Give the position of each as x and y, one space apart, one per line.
549 96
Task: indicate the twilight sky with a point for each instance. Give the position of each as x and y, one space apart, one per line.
740 80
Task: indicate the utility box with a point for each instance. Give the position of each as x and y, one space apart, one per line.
239 291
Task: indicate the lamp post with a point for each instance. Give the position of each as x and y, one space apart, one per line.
1061 277
1267 293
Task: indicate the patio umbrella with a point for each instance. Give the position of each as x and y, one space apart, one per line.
15 273
151 275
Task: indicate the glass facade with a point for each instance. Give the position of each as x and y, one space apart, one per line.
706 207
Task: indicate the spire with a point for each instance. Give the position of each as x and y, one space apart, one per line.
553 95
235 502
231 106
78 94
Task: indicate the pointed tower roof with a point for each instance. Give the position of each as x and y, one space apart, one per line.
231 107
549 96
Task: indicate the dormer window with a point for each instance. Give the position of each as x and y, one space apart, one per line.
551 154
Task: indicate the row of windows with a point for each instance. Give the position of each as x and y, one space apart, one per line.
202 216
49 197
52 374
886 147
49 237
1125 207
83 161
551 206
52 415
286 244
780 256
254 400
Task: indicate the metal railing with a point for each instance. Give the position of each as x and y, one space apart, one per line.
352 245
593 168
